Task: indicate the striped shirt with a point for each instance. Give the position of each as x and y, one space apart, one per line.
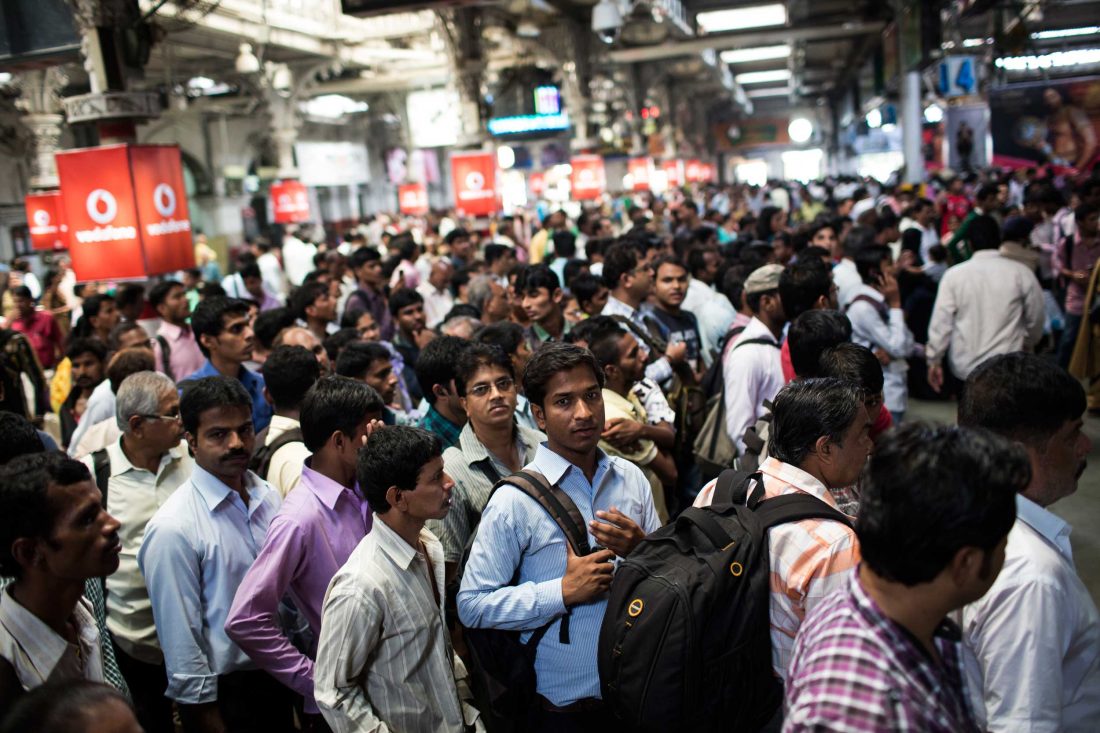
809 559
38 654
474 470
384 658
854 670
516 532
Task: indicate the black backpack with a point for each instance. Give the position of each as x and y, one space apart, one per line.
261 459
502 675
686 643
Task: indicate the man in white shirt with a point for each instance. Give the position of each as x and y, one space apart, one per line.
297 257
271 270
384 658
288 374
986 306
713 309
1036 633
751 367
142 469
436 291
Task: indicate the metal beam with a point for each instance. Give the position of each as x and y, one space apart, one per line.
746 39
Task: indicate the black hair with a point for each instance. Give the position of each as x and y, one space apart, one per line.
79 346
986 190
456 233
755 256
356 358
813 332
494 251
436 363
696 260
114 338
394 456
732 285
403 298
930 491
853 363
22 291
802 284
89 310
565 244
572 269
604 344
1023 397
200 395
159 292
129 294
462 309
127 362
25 507
209 317
335 343
1084 211
405 245
289 372
669 260
505 334
210 291
596 247
477 356
336 403
536 277
552 358
808 409
362 256
18 437
620 259
269 324
585 286
305 296
869 262
764 221
249 271
1017 229
60 707
984 233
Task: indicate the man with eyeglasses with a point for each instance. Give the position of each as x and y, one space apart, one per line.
490 446
143 468
197 548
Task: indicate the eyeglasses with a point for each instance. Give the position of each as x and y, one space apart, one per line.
170 416
503 385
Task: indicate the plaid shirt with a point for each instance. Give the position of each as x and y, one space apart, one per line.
435 423
855 670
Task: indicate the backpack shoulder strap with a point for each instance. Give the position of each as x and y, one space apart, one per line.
165 355
262 460
883 312
556 503
101 462
653 342
732 486
762 340
795 508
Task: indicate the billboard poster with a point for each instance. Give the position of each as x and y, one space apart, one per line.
289 202
474 176
46 220
640 173
587 179
412 199
1052 123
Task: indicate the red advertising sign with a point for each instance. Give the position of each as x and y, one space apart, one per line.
474 176
126 209
674 170
46 220
412 199
695 171
538 183
639 169
289 202
587 178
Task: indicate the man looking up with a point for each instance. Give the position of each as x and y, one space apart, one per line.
54 535
1036 633
312 536
196 550
436 373
288 374
226 339
881 653
383 660
541 297
174 346
87 357
314 306
564 384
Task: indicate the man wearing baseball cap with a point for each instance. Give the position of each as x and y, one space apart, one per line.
751 367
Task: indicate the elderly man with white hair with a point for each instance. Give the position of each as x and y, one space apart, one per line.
137 473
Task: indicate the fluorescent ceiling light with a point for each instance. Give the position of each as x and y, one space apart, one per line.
1078 57
800 129
762 77
5 77
201 83
733 19
973 42
1091 30
760 53
334 106
768 92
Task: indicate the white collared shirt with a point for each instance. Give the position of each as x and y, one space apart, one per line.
38 654
133 497
1035 635
752 374
891 335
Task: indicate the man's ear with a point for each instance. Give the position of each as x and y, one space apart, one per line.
208 342
25 551
556 296
824 449
268 398
539 415
440 390
394 498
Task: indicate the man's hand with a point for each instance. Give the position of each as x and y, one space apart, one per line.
620 534
423 337
882 356
371 427
935 377
888 286
622 432
586 578
677 352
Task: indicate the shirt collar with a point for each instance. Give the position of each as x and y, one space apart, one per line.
871 293
392 544
870 610
1052 527
47 647
120 464
796 477
756 329
554 467
214 492
327 490
172 331
617 306
985 253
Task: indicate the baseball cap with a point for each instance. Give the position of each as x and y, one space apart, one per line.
763 279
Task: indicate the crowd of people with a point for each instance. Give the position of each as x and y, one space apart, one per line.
390 482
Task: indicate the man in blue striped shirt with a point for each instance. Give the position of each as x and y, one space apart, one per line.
564 384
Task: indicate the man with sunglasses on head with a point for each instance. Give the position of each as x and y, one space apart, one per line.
140 471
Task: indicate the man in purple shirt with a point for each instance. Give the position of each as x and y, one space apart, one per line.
319 524
882 654
176 351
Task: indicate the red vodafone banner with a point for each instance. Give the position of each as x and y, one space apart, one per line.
587 178
674 170
639 169
289 202
46 220
695 171
126 209
412 199
474 176
538 183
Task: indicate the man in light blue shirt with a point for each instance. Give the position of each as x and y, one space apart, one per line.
564 385
195 553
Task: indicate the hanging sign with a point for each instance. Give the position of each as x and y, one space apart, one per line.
46 220
412 199
289 202
474 176
587 178
674 170
639 169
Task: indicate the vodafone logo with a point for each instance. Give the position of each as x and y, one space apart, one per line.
102 206
284 201
164 200
41 218
586 176
475 181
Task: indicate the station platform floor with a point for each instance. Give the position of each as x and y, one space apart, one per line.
1081 510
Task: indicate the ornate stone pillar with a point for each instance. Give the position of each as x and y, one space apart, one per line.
41 103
